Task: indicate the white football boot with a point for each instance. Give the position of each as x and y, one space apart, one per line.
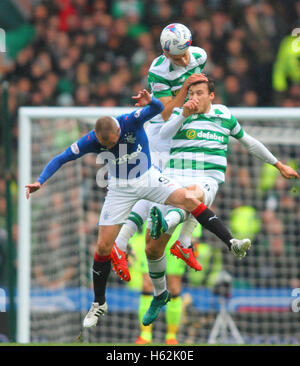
96 310
239 247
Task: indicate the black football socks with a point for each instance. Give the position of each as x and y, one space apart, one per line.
101 270
209 220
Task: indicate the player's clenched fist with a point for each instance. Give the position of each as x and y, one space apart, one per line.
190 107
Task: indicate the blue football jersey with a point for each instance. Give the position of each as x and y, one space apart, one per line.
129 158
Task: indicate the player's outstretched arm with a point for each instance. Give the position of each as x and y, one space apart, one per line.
259 150
33 187
151 107
286 171
78 149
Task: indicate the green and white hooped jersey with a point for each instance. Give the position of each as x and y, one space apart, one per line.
165 79
199 147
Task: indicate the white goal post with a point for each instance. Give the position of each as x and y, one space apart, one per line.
26 115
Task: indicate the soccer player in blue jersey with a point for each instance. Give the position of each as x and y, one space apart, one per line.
123 144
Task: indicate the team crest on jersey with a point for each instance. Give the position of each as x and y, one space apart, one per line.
75 148
106 215
218 121
129 138
137 113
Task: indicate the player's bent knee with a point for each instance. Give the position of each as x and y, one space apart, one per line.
154 250
104 247
196 191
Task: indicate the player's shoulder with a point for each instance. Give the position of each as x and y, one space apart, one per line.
160 65
89 137
199 54
222 111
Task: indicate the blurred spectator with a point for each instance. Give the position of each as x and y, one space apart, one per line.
83 42
250 99
286 71
233 95
245 222
261 27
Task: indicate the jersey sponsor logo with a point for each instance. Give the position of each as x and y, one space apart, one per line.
210 136
192 134
156 87
75 148
123 159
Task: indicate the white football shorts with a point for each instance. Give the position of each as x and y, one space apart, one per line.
209 185
123 194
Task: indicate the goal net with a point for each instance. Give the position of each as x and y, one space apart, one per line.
58 233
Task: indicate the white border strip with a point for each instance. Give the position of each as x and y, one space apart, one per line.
263 113
24 235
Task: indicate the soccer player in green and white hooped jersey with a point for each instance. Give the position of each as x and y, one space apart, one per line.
169 77
199 135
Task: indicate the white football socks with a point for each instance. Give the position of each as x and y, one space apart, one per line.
157 272
186 232
136 219
175 217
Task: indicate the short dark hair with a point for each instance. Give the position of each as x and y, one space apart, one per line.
105 126
210 84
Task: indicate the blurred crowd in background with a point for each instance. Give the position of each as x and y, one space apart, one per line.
98 52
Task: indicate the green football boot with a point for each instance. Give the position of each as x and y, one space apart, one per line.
159 224
156 304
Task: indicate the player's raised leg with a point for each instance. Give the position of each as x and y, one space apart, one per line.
136 219
209 220
183 248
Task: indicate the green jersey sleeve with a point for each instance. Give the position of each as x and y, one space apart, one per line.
236 130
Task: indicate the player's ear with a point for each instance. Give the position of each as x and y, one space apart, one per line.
212 96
